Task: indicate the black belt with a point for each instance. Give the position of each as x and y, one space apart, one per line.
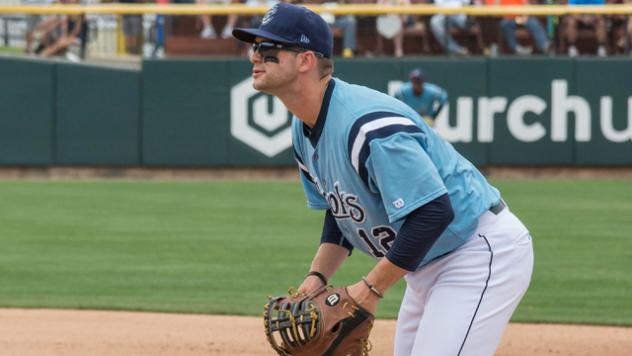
496 209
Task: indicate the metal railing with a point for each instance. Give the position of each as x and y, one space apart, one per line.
342 9
106 33
11 29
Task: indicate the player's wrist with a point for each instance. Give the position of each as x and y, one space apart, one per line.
363 296
372 288
317 275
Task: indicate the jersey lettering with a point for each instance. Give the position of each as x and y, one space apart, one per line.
345 205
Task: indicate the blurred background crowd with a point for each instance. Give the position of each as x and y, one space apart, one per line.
157 36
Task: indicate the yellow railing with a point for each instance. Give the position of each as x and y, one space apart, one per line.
361 9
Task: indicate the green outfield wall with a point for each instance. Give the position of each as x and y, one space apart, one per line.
204 113
27 112
97 116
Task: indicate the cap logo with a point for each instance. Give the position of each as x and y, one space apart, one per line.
304 39
269 15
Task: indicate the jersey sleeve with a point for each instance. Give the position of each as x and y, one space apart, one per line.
404 175
442 97
314 199
390 159
438 101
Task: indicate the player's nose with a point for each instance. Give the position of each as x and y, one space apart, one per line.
255 57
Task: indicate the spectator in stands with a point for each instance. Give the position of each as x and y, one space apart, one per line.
571 22
426 98
622 30
133 30
347 25
157 33
627 36
31 23
58 33
441 26
402 21
208 30
509 24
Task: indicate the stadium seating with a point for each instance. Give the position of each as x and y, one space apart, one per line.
182 38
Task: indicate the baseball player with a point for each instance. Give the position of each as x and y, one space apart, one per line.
392 188
425 98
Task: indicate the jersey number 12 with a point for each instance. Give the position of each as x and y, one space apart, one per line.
385 235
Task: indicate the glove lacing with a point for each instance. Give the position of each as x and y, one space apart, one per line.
366 343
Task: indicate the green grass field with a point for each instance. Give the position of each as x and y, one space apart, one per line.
11 50
222 247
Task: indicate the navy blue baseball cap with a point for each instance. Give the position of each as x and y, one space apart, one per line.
416 75
292 25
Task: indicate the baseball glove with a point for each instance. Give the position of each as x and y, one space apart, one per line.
324 322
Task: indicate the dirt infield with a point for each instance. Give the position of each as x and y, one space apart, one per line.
101 333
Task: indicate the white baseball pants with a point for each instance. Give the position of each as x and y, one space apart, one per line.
461 303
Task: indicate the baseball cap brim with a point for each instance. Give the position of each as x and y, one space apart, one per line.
250 34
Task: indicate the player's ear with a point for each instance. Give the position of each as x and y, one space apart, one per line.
307 61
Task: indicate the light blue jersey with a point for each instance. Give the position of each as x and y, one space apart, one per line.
426 104
372 160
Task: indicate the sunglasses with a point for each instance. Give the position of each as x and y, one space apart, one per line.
271 49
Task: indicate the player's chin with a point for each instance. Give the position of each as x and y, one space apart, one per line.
260 84
257 85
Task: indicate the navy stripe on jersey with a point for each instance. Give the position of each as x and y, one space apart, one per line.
363 120
370 127
303 167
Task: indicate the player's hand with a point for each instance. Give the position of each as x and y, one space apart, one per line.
310 284
363 296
